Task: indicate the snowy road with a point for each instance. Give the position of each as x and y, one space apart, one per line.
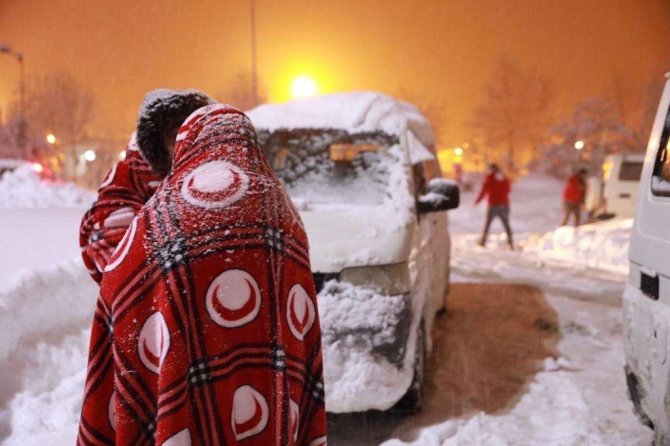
577 396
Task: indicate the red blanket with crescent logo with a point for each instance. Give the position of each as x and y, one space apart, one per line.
128 185
206 331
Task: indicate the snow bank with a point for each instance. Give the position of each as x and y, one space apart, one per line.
45 318
601 245
364 336
23 188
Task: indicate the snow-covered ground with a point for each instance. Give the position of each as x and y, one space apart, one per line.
46 303
578 399
22 188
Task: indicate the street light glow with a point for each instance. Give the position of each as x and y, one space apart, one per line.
579 145
458 151
89 155
51 138
37 167
122 155
303 87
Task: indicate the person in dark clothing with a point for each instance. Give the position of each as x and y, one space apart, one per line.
573 197
496 187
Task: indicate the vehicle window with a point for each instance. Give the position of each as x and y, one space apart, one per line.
420 181
432 169
329 167
630 171
660 180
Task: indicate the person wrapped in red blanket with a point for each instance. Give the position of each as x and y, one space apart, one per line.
128 185
206 331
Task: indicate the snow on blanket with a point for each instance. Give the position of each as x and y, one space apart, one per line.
23 188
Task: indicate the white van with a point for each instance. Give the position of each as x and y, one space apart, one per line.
621 180
647 297
362 172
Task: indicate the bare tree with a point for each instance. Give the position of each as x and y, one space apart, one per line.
597 124
650 93
56 104
240 94
431 108
514 113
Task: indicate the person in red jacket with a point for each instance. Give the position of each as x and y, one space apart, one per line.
573 197
206 330
496 188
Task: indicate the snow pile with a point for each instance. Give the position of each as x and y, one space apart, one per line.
45 319
354 112
23 188
361 331
602 245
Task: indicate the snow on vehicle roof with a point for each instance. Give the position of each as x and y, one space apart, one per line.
354 112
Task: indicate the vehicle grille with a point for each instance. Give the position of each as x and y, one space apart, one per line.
321 278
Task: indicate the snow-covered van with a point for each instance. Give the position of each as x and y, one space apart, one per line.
362 173
621 180
647 297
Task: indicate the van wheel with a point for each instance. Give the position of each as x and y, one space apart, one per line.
635 395
412 401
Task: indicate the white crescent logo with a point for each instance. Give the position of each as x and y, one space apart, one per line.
295 419
321 441
300 312
153 342
215 184
122 249
250 413
111 409
109 178
120 217
182 438
233 298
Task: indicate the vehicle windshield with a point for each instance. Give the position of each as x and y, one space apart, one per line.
331 167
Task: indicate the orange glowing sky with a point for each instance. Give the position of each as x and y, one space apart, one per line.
437 53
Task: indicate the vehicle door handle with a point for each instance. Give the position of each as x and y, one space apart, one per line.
624 195
649 284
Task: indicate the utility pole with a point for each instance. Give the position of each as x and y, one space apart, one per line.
6 49
254 66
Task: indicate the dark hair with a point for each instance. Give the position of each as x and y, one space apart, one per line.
494 166
161 111
582 171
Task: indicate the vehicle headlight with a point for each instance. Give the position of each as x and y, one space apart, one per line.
387 279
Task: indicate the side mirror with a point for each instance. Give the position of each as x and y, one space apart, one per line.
442 195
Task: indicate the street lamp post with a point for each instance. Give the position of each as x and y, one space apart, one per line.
6 49
254 67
